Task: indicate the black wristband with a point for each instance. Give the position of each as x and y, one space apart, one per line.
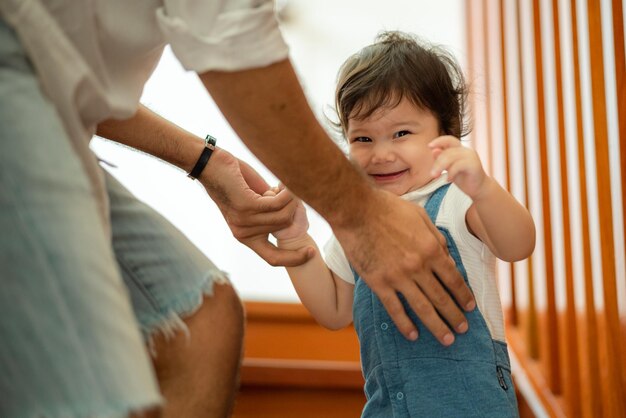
209 147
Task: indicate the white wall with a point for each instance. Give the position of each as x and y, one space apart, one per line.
321 35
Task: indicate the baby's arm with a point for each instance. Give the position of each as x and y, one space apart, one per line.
495 217
327 297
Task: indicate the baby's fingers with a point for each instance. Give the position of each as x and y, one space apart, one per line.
456 168
444 159
445 142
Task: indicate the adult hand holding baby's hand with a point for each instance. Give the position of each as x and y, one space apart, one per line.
300 223
238 189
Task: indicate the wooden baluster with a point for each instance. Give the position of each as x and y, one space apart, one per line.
588 337
515 133
511 306
620 81
486 140
567 315
530 330
477 77
610 354
548 324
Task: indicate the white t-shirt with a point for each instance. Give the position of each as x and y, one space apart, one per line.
93 57
101 52
478 260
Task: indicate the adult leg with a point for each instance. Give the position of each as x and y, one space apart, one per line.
69 341
191 317
199 375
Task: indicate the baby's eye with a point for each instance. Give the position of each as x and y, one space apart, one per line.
401 133
361 139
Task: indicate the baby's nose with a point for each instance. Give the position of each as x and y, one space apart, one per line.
383 153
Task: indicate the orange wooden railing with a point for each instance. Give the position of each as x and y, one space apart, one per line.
293 367
549 109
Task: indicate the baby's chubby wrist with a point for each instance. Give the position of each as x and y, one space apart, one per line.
486 188
295 243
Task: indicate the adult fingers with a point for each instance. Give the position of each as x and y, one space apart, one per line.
252 178
450 277
394 308
423 303
442 264
242 233
275 256
445 306
252 217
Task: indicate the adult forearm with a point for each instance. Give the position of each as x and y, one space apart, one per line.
268 110
150 133
232 184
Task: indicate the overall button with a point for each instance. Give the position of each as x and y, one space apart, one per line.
399 396
384 326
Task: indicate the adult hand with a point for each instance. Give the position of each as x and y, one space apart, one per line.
238 189
299 225
398 249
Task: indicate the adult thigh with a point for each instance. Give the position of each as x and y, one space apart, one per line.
69 342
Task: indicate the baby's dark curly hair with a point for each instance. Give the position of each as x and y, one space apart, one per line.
398 66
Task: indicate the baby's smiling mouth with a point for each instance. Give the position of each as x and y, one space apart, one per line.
387 176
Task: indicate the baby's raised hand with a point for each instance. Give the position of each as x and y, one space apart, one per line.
299 225
462 164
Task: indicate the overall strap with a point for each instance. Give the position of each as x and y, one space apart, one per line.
434 202
354 274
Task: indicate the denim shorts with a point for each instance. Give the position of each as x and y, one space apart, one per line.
79 301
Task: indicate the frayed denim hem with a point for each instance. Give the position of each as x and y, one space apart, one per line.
169 322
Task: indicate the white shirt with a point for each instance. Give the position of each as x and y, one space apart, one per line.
93 57
101 52
478 260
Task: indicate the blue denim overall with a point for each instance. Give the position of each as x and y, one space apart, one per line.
471 378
